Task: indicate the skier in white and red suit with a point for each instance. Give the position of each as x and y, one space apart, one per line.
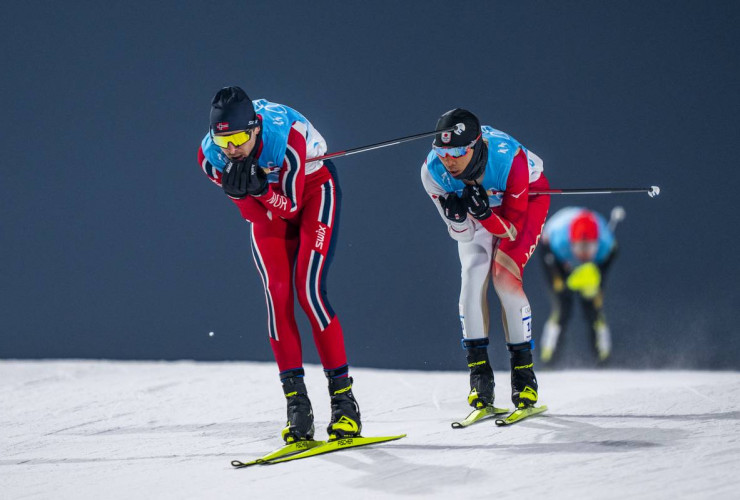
256 151
479 179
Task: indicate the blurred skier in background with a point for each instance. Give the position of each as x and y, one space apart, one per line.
578 247
256 151
479 180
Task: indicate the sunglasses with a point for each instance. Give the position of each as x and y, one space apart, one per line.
237 139
455 152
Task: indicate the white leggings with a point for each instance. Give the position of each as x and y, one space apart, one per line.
475 260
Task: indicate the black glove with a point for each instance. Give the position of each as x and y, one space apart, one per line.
242 178
453 207
235 179
257 183
476 200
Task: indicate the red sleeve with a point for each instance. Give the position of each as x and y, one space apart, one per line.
508 219
250 209
285 197
207 168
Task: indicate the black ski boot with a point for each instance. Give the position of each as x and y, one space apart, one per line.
523 381
481 373
345 412
300 414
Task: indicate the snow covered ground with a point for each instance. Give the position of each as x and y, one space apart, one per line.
85 429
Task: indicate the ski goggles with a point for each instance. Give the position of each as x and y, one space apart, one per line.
454 152
236 139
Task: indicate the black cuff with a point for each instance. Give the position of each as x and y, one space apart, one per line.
485 215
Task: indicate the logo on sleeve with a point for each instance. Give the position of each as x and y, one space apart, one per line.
520 193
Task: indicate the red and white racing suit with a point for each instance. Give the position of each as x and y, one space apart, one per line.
498 248
292 242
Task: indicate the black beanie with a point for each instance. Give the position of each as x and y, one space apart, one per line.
466 128
232 110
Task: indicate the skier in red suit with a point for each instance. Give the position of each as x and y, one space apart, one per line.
256 151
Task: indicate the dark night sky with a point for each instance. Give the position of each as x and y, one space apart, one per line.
114 244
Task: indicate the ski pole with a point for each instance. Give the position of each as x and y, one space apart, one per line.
383 144
652 191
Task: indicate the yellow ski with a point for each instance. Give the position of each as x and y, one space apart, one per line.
336 445
521 414
478 415
288 449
